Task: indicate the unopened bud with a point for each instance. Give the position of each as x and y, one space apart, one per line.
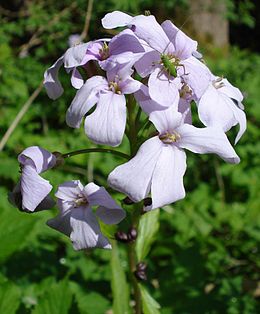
140 275
127 201
147 201
121 236
141 266
132 234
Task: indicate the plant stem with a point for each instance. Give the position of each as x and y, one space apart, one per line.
133 123
95 150
132 267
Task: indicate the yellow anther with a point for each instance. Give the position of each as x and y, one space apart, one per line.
169 138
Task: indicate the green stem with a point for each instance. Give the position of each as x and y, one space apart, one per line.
95 150
133 123
132 266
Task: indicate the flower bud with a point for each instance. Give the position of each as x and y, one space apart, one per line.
141 266
140 275
127 201
121 236
132 234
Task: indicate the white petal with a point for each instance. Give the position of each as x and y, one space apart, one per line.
166 120
76 79
34 188
51 81
214 109
69 191
145 101
183 44
84 100
241 119
61 222
196 75
206 141
74 56
148 29
40 158
231 91
163 89
146 64
86 232
106 125
116 19
167 182
134 177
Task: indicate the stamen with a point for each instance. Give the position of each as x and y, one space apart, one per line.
169 138
104 51
81 200
114 87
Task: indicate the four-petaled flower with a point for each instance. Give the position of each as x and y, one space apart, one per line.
77 218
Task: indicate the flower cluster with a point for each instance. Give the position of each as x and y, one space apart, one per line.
158 65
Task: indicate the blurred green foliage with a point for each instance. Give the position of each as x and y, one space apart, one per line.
206 255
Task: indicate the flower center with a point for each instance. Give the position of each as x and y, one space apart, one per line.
114 87
185 91
104 51
81 200
218 83
170 137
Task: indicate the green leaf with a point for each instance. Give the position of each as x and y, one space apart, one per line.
149 305
9 296
147 230
15 229
89 302
56 300
120 287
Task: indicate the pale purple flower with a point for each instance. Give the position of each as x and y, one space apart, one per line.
121 49
221 105
106 125
72 59
77 219
171 42
32 191
160 162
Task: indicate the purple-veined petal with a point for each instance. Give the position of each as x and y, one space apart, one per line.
51 81
166 120
134 177
120 64
215 109
84 100
125 41
106 125
149 30
241 119
147 63
130 86
74 56
145 101
196 75
15 198
116 19
61 222
185 109
34 188
76 79
163 89
69 191
207 141
183 44
41 158
167 182
108 211
231 91
86 232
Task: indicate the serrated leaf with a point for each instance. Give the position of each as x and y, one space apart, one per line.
9 296
147 230
120 287
56 300
149 305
